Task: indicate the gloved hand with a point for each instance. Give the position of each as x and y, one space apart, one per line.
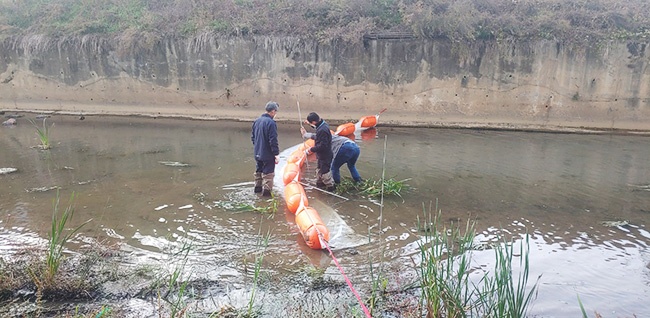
307 152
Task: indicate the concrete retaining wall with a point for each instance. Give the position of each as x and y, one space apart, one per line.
539 84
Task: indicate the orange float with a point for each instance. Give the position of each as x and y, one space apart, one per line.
294 196
312 227
291 172
345 129
296 156
307 144
368 121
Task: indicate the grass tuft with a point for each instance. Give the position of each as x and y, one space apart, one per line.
58 238
43 134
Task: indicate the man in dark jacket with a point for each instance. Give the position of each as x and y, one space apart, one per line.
266 149
344 151
323 150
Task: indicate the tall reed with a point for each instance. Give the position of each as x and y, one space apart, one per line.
57 238
448 291
444 269
262 244
503 295
176 281
379 281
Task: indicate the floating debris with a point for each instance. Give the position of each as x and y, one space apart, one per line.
155 151
42 189
7 170
161 207
241 207
615 223
189 206
199 196
174 164
640 187
9 122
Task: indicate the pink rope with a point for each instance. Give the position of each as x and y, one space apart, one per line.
347 280
322 241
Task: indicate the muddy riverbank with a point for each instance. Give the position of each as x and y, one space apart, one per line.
393 117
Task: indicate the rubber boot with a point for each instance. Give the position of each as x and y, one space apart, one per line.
258 182
328 180
267 183
319 180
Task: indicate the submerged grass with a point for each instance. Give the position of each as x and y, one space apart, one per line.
272 206
170 285
373 188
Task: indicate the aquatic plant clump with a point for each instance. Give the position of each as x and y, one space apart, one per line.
373 188
271 208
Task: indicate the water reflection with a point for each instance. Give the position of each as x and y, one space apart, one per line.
558 187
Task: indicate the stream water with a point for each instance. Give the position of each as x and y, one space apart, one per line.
147 183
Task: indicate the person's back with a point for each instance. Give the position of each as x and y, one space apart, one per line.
337 142
345 151
264 136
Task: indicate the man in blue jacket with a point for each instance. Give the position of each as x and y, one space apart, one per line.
323 149
266 149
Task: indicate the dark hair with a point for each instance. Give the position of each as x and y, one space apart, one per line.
313 117
271 106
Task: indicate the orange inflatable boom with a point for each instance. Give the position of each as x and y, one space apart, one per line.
312 228
345 129
309 223
368 121
364 123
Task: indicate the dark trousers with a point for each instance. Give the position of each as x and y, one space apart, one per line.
265 166
348 153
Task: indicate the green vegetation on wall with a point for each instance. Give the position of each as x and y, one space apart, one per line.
576 21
